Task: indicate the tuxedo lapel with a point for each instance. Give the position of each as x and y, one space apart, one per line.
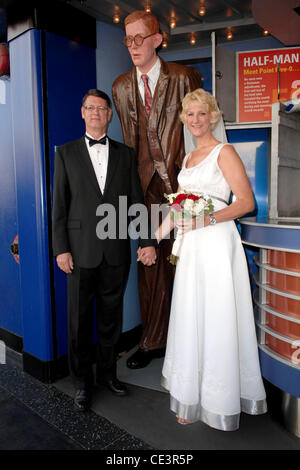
112 163
87 166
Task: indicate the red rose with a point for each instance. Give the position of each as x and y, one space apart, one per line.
193 197
180 198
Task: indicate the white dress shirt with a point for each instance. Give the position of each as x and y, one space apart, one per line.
153 75
99 158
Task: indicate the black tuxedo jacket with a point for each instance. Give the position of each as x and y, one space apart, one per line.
77 196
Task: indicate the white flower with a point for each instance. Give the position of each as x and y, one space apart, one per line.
198 209
188 204
199 206
202 203
171 197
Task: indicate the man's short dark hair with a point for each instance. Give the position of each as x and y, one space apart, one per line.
99 94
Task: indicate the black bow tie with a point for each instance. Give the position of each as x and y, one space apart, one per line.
93 141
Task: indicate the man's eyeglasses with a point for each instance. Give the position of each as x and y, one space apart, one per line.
91 108
138 39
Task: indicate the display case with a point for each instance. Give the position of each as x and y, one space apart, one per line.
277 312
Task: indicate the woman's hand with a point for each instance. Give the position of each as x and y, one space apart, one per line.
186 224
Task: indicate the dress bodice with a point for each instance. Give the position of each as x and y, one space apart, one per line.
206 177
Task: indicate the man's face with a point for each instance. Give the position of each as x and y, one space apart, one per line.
96 115
143 56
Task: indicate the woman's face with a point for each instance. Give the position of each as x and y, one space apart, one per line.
198 119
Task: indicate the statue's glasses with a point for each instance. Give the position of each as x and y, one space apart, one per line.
138 39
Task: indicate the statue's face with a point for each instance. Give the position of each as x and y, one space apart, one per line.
143 56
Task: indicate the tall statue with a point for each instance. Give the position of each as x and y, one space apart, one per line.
148 101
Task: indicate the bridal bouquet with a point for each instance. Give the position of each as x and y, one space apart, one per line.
188 206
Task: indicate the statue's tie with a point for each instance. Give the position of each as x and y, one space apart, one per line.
148 96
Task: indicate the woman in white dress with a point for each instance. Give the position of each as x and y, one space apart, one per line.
211 366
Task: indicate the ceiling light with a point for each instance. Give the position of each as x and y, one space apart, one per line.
164 43
266 32
193 40
229 35
202 10
116 18
148 8
172 22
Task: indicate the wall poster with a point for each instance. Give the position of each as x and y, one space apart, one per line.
265 77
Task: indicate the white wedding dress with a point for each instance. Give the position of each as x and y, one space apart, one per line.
211 366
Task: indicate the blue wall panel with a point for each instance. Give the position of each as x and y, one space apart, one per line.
27 122
10 304
205 68
283 376
109 38
252 146
71 71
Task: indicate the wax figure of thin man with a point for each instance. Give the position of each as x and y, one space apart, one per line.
89 172
149 111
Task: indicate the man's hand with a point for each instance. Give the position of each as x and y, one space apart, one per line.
147 255
65 262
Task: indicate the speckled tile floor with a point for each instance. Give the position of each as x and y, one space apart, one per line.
37 416
22 429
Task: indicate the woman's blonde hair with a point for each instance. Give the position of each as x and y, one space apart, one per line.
201 97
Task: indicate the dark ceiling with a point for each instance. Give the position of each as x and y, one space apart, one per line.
245 19
220 16
2 27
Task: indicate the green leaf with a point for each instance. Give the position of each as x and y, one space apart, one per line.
173 259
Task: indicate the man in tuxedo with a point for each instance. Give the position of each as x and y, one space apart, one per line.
89 173
148 101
